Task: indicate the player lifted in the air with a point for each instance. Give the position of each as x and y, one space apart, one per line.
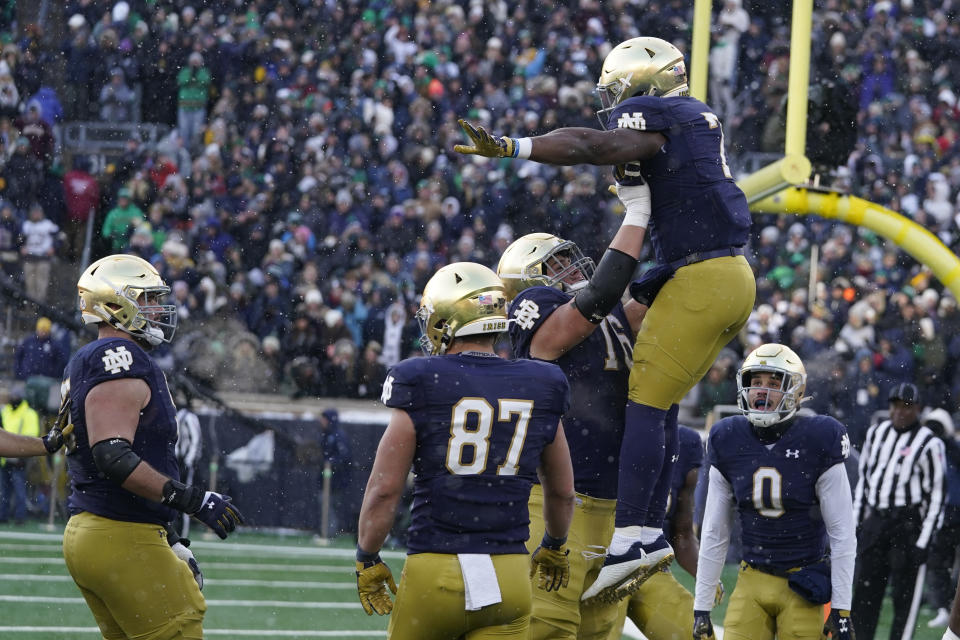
700 293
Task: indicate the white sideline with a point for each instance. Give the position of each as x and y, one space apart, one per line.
276 584
259 633
279 604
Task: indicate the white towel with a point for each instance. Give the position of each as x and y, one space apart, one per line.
479 580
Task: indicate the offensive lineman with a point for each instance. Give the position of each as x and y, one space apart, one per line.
139 581
550 283
776 467
477 430
700 221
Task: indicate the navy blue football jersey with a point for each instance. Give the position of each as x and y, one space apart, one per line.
697 206
155 441
599 371
689 457
482 423
775 487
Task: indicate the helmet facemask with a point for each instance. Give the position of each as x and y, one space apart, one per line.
768 405
127 292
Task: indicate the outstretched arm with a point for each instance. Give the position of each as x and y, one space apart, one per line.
566 146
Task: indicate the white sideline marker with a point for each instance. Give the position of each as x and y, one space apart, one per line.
258 633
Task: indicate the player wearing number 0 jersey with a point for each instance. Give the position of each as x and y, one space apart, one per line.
476 430
701 291
778 470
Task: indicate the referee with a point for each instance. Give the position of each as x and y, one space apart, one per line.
897 503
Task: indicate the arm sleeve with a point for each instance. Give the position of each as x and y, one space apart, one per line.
714 540
833 492
932 463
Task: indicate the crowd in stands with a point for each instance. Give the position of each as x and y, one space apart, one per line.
308 187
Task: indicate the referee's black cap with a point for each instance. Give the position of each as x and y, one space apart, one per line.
905 392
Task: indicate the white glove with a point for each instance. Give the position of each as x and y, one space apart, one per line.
638 203
187 556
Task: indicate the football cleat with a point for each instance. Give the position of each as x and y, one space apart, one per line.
622 574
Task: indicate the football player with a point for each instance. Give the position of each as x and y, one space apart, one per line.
661 606
702 290
125 489
777 469
477 430
550 283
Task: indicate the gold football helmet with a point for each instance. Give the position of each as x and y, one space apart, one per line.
126 292
641 66
542 259
461 299
777 359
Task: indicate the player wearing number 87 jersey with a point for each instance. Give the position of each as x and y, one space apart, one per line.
777 469
700 293
477 430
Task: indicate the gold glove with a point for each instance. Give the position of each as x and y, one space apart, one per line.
372 581
485 144
553 566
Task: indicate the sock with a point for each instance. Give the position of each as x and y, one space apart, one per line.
657 507
650 534
641 460
623 537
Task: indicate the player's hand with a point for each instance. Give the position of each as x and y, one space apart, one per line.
484 144
718 597
62 427
553 566
373 578
633 195
182 552
702 626
630 173
838 626
219 513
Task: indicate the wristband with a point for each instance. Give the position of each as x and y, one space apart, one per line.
636 217
367 556
522 147
554 544
181 497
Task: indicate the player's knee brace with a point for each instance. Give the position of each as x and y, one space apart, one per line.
605 288
115 459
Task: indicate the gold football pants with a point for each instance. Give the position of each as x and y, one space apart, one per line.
697 312
662 609
558 615
132 581
763 606
430 601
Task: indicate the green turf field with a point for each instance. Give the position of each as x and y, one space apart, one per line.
256 586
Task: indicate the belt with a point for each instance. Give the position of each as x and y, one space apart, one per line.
700 256
765 568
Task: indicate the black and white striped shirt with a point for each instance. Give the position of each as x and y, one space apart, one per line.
189 438
903 469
